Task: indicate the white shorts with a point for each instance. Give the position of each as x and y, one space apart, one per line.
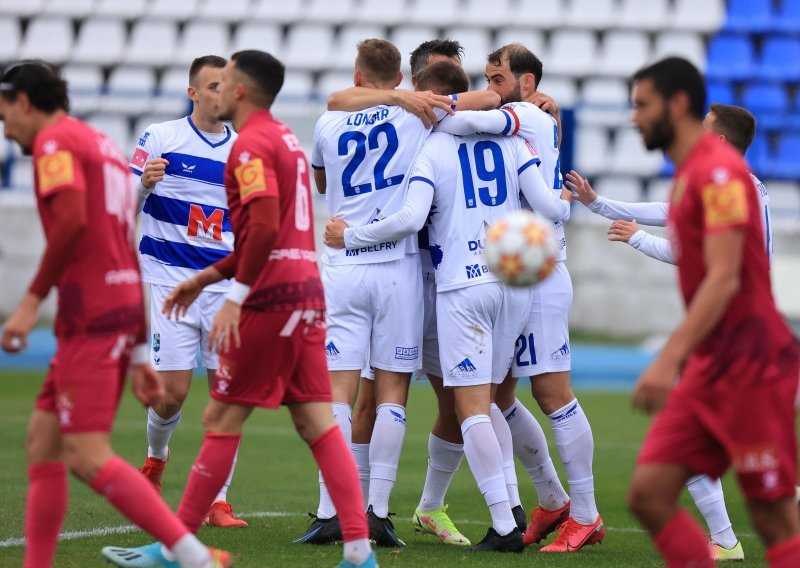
543 346
374 310
430 336
477 327
174 344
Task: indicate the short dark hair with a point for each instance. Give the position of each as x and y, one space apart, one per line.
264 69
736 123
443 78
521 60
427 49
42 83
378 59
675 74
205 61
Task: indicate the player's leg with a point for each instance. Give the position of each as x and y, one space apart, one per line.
363 424
317 428
503 433
710 501
530 447
778 525
46 503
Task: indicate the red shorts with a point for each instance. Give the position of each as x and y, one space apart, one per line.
749 425
281 361
85 381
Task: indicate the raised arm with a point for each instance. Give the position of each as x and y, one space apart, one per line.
420 103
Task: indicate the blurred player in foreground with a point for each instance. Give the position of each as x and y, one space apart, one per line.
185 228
738 361
270 331
87 203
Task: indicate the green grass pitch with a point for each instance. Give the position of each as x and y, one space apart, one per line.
276 483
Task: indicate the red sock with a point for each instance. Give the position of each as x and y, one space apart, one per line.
44 512
208 475
134 496
785 554
682 543
339 471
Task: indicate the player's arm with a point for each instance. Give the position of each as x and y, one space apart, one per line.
423 104
651 245
652 213
725 212
147 163
539 196
320 179
496 121
318 159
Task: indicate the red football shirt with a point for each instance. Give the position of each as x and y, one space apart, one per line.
266 161
100 291
713 192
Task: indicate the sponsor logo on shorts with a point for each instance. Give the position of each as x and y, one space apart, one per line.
476 270
759 459
571 411
464 370
332 352
561 354
398 417
223 378
64 408
156 348
406 353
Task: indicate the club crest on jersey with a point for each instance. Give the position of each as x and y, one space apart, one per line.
205 228
464 370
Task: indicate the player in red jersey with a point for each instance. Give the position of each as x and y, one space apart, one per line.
735 404
270 331
87 204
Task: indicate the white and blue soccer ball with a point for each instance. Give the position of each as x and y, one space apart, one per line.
521 248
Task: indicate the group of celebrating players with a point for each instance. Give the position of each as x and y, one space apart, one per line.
413 180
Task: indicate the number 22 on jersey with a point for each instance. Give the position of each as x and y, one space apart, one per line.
364 143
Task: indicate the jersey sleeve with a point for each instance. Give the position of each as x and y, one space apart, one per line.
147 147
653 246
468 122
723 198
652 213
539 196
57 164
317 161
254 172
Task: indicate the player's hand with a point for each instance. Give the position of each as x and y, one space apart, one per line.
334 232
544 102
226 324
655 384
178 301
147 385
422 103
20 324
622 230
154 170
581 188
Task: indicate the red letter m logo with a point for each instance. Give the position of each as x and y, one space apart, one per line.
205 227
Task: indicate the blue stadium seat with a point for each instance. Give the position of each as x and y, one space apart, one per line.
787 18
749 16
720 93
780 59
769 103
730 57
784 164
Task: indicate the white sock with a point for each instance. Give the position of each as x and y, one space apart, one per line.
190 553
223 493
444 458
575 445
384 455
486 462
503 434
357 551
159 431
361 454
707 495
530 447
342 415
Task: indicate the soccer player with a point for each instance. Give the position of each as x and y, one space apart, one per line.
445 444
186 227
270 330
542 350
735 404
461 217
87 204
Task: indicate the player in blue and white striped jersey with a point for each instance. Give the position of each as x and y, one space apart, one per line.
185 228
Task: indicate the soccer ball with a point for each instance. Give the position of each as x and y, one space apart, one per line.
521 248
